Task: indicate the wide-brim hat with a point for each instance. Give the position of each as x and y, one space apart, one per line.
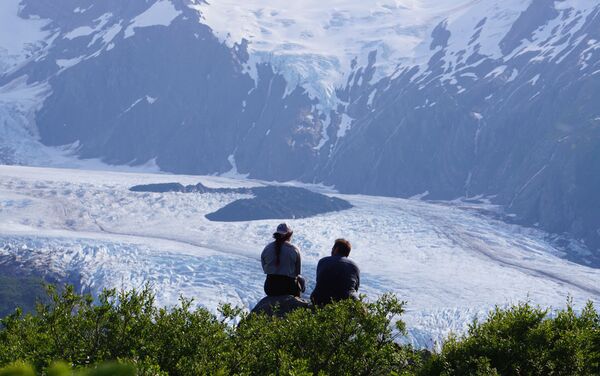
283 229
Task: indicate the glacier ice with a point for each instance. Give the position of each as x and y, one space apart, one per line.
449 263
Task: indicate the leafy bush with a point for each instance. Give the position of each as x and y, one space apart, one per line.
346 338
523 340
349 337
62 369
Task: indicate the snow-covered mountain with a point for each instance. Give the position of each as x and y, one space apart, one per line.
393 97
449 262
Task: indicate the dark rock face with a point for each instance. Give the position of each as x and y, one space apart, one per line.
278 203
270 202
523 128
528 135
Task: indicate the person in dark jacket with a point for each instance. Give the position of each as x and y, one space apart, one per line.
338 277
282 264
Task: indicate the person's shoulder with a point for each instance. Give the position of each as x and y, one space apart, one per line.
269 246
293 247
327 260
351 262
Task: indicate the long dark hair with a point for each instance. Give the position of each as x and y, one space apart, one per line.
279 240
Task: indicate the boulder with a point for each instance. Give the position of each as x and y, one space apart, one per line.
280 305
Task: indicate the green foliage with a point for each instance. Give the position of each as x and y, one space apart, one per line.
123 333
350 337
523 340
62 369
17 369
126 327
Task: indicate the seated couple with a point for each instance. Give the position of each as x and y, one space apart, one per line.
337 276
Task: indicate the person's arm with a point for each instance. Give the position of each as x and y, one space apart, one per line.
263 258
298 262
357 278
318 268
312 294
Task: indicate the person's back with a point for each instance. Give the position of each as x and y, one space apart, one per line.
282 264
338 277
287 263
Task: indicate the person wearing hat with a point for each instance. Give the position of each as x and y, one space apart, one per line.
282 264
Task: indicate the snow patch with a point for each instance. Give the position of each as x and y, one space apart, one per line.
324 134
161 13
110 34
345 125
496 71
81 31
469 75
419 196
477 116
86 30
528 182
82 10
67 63
233 173
534 80
147 98
371 97
133 105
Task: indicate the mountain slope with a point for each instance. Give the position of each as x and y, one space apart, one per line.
523 126
457 99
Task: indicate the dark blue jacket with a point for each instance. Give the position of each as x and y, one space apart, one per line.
338 278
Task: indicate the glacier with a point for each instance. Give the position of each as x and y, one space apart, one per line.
318 45
450 263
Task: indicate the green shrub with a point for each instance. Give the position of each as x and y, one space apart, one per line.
349 337
17 369
523 340
124 333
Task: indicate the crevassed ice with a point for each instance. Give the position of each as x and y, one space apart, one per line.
448 263
318 40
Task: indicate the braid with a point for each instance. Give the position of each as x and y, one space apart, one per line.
279 240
